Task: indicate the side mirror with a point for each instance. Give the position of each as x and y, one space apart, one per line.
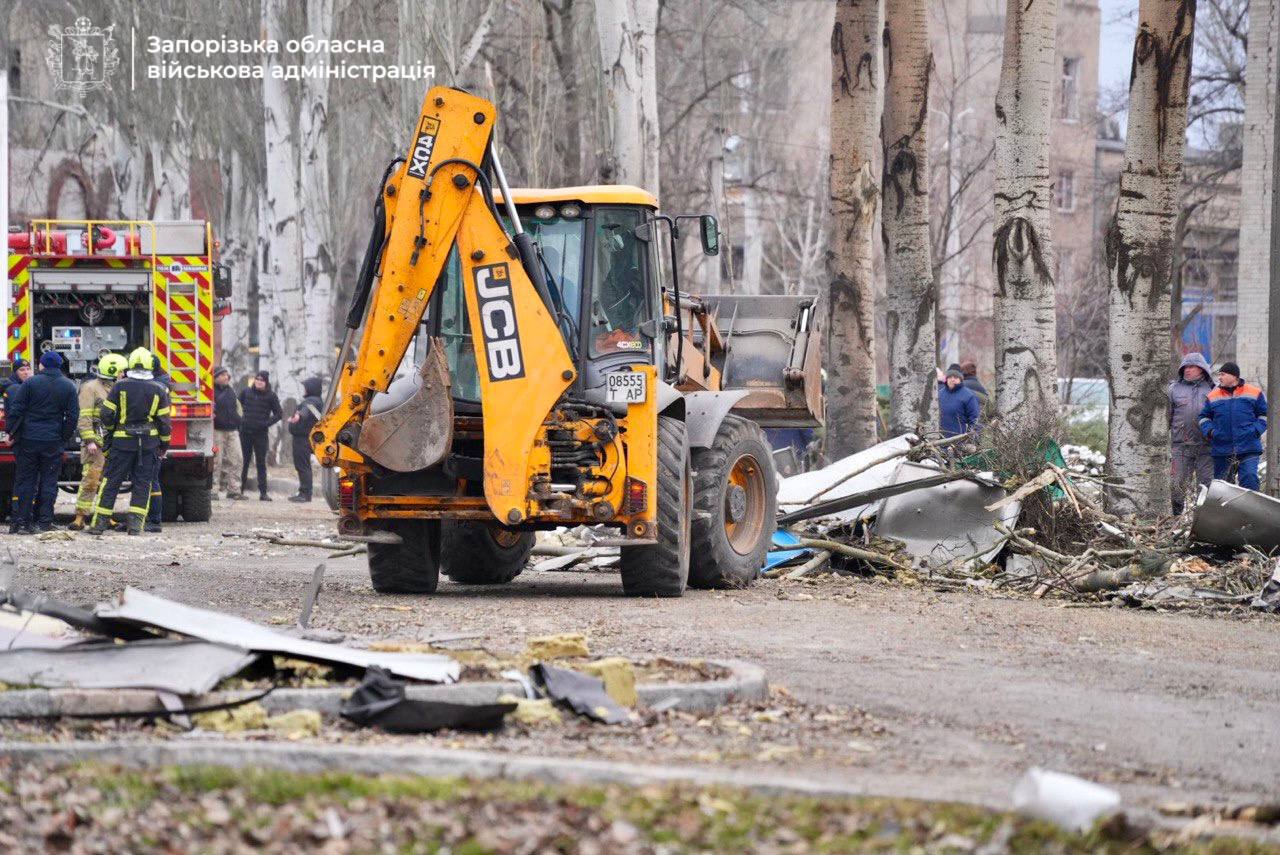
710 230
222 282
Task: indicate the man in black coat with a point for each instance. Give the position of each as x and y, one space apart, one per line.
41 416
300 425
226 432
261 410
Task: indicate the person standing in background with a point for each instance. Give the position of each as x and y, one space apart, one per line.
261 410
300 425
41 418
92 445
227 415
1192 462
1233 419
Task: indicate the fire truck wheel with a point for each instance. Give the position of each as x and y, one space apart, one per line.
476 553
197 504
172 503
662 570
411 566
736 493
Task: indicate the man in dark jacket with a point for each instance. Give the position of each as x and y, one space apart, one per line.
1233 418
969 369
226 435
261 410
959 410
20 373
41 415
300 425
1192 463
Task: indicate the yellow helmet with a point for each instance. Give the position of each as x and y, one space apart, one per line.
140 359
112 365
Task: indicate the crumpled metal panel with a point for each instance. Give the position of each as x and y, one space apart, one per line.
168 665
1229 515
148 609
947 522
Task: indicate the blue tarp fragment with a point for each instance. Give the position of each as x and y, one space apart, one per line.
784 550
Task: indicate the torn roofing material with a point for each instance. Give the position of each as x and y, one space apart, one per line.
147 609
169 665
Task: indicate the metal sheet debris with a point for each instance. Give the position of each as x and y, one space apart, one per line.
148 609
1228 515
20 629
168 665
867 470
946 522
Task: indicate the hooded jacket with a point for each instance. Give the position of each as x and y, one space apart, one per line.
1234 420
226 408
959 410
1186 400
44 408
260 409
308 408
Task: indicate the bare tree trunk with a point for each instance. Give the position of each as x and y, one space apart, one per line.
1025 310
912 301
855 117
1140 255
281 309
171 160
317 223
240 228
626 29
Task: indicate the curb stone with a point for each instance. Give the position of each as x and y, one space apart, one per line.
745 682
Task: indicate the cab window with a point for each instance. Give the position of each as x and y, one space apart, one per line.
619 299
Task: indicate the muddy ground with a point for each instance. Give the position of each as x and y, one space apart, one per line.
897 690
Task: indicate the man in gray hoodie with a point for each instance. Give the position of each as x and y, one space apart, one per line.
1192 463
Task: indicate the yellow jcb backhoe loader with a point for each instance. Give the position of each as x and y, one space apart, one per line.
505 372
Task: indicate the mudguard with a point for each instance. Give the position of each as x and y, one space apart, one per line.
704 411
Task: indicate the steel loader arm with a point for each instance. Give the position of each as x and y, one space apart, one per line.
437 197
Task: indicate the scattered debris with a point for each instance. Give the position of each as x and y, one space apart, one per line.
559 646
535 712
618 676
380 701
1071 802
251 716
295 724
579 693
1268 600
1228 515
147 609
179 666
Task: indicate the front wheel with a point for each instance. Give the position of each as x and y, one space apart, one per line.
736 492
411 566
197 504
477 553
662 570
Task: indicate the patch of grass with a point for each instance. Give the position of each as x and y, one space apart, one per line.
1090 432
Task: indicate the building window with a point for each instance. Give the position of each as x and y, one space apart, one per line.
1069 90
1065 191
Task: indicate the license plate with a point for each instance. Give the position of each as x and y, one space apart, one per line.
626 387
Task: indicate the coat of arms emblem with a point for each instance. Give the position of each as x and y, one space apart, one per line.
81 56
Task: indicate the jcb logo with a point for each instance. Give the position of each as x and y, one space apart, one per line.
422 147
498 322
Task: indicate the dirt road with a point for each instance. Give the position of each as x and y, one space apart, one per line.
966 691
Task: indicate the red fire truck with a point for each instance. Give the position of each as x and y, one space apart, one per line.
87 287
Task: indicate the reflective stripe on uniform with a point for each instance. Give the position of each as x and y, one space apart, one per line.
108 403
134 509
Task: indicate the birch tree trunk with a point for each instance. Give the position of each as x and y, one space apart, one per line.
855 118
1025 309
912 300
317 220
281 309
626 29
171 160
1140 256
240 218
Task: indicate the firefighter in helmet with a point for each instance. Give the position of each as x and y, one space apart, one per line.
92 446
136 416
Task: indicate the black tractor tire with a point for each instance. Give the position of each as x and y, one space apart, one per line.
411 566
6 501
197 504
329 486
171 503
735 490
477 553
662 569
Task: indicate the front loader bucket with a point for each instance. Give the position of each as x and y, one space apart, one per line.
774 352
410 426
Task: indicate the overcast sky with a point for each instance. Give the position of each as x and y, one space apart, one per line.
1119 21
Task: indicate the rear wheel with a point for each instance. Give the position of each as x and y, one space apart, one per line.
171 503
736 503
411 566
197 504
477 553
662 570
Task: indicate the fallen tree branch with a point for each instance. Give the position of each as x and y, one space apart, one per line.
854 552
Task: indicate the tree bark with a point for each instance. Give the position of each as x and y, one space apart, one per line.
281 308
317 229
240 228
1140 256
626 30
912 300
1025 311
855 117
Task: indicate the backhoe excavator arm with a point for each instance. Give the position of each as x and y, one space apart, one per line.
437 197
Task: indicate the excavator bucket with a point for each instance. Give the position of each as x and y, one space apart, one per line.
773 350
410 426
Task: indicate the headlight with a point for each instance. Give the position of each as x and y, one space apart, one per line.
570 211
544 212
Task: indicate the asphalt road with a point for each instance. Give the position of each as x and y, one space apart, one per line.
970 690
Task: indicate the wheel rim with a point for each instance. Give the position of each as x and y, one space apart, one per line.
504 537
744 504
